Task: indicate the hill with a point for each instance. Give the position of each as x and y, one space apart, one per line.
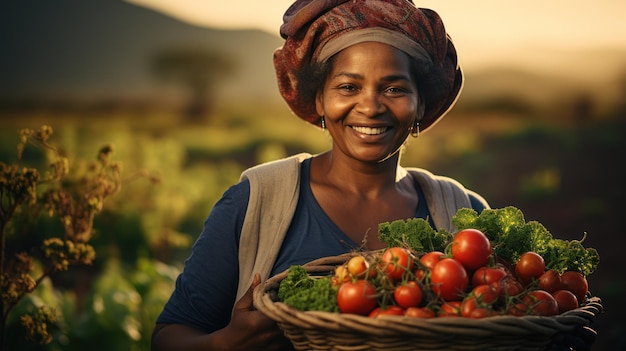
103 48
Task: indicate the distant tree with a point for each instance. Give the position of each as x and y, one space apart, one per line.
196 69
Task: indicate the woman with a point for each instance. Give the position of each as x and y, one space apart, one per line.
371 73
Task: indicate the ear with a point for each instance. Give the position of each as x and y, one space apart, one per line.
319 106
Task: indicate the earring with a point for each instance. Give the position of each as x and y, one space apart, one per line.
323 124
415 130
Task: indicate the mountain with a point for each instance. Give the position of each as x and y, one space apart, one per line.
103 49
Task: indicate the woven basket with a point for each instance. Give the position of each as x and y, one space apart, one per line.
315 330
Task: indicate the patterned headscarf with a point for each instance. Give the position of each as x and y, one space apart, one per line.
314 30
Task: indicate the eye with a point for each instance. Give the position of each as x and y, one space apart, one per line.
347 88
396 90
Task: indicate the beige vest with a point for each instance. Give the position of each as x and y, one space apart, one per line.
274 190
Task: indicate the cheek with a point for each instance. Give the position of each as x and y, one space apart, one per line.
333 107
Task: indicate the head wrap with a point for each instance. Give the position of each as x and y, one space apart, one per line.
314 30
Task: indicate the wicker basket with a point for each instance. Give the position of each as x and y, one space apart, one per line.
314 330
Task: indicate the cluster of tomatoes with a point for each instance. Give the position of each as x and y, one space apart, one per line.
468 281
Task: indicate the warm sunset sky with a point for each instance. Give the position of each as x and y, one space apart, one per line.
491 24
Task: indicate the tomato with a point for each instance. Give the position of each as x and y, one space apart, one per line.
395 261
408 294
468 305
428 261
449 279
530 265
576 283
389 311
450 309
358 297
359 267
481 297
471 307
541 303
485 294
518 309
550 281
508 286
482 312
341 276
487 275
566 300
419 312
472 248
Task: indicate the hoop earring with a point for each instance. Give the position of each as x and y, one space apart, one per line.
415 130
323 124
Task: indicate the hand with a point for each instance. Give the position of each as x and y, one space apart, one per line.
252 330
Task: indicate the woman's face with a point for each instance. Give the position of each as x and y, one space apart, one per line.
369 101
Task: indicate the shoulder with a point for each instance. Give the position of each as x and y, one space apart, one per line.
278 167
448 184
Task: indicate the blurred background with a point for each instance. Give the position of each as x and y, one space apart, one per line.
186 91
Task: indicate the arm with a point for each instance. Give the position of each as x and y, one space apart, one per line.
247 330
200 314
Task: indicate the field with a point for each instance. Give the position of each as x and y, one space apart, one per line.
566 173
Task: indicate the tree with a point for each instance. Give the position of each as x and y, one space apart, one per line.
196 69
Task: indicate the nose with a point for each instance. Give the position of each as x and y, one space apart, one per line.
370 103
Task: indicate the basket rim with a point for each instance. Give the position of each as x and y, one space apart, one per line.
387 325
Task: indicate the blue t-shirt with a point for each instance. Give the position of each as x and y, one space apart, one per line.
205 291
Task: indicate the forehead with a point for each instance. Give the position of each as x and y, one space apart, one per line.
370 56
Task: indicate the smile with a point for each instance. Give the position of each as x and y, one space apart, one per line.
370 130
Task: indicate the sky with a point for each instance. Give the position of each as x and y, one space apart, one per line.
484 31
496 23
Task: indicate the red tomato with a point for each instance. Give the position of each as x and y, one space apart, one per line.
576 283
428 261
541 303
468 305
530 265
419 312
408 294
518 309
482 312
357 297
550 281
471 307
389 311
485 294
487 275
472 248
449 279
450 309
396 261
508 286
566 300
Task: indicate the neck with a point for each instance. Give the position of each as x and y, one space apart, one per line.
360 178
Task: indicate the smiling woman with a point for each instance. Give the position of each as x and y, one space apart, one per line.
371 74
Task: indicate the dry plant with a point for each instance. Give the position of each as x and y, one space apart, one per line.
73 196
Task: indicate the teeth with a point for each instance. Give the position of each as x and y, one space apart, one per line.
369 130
